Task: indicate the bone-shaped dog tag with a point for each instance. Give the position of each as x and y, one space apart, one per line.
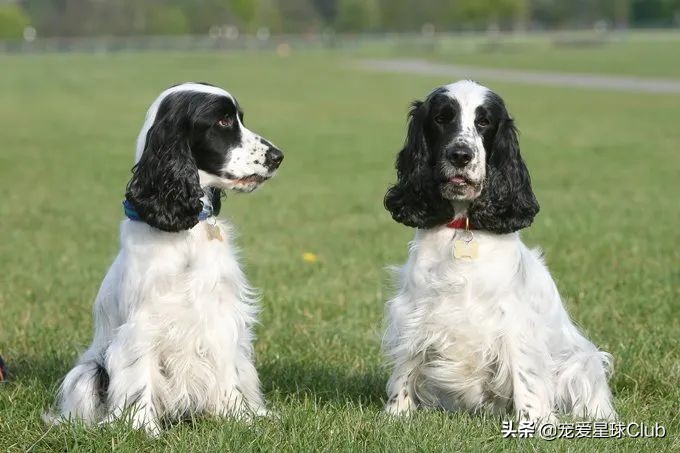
465 246
214 232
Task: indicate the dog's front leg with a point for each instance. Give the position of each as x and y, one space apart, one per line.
401 398
532 382
249 385
241 395
131 365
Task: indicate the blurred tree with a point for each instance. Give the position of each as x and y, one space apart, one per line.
123 17
298 15
40 12
13 21
327 10
491 12
655 13
244 10
551 13
358 15
406 15
167 20
583 13
621 13
400 15
268 15
203 14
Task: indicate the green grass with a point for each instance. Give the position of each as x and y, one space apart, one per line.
643 54
605 168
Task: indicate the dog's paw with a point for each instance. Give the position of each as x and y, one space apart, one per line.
400 405
265 413
603 411
143 418
138 419
151 428
251 415
51 419
538 419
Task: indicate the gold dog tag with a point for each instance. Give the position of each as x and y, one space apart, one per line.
214 232
466 246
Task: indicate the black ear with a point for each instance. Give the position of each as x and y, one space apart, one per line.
507 202
165 189
415 200
216 200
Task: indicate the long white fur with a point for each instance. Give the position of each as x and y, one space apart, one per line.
489 333
174 324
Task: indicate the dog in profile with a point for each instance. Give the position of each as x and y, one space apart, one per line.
477 322
174 315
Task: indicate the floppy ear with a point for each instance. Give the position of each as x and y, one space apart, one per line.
216 200
165 188
507 202
415 200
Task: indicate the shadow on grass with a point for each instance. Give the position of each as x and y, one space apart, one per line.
47 371
283 378
324 383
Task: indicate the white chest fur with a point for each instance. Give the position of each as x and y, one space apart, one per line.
196 306
173 333
456 315
488 333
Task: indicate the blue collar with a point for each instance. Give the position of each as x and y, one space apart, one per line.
132 214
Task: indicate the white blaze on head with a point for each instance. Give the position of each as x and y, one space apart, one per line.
153 109
469 95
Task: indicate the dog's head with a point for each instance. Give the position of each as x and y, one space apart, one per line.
194 140
462 150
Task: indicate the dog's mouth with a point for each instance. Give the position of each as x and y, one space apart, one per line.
245 183
461 182
251 179
460 187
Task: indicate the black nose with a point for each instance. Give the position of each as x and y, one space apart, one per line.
274 158
459 156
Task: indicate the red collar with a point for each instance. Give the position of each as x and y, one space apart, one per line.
461 223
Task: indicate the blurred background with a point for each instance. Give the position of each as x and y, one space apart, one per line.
31 25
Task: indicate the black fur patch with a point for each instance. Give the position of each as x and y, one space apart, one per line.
415 199
101 382
507 202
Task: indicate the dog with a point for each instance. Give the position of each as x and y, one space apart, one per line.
174 315
477 323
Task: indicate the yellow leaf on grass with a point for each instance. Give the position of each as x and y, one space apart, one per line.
310 257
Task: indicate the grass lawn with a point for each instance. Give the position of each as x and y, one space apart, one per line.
605 168
643 54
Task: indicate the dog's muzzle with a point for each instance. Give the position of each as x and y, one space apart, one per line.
273 158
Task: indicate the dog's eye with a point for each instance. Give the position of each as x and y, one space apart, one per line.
445 116
225 122
482 122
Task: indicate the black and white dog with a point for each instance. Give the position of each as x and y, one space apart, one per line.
477 322
174 314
